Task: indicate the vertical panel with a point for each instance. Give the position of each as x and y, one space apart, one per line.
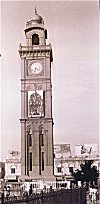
30 161
39 153
42 161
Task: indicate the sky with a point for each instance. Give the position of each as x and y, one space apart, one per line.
73 31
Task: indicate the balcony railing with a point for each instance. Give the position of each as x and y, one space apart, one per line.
35 48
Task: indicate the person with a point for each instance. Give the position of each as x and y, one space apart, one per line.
30 189
26 196
2 197
97 196
42 194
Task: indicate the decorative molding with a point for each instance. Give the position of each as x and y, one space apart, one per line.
30 149
34 86
42 149
38 87
28 128
31 53
30 88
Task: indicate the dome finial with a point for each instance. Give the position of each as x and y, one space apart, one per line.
35 10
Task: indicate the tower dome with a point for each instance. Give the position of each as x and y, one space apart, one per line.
37 18
35 32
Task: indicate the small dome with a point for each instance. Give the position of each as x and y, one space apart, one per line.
37 18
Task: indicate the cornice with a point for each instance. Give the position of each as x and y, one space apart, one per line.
39 79
35 51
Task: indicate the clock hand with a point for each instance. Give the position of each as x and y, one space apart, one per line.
36 68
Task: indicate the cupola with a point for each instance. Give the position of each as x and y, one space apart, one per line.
35 32
36 21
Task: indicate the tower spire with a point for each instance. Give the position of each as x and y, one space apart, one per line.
35 11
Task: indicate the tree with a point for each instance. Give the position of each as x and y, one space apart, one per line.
87 173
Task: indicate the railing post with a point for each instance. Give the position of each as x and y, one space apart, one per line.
26 197
87 198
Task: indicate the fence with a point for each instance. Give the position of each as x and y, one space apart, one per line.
63 196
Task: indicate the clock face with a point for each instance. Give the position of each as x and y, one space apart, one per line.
35 68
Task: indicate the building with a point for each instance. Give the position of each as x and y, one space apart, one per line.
36 103
2 170
13 166
86 150
65 163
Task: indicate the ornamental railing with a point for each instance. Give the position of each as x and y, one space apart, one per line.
35 48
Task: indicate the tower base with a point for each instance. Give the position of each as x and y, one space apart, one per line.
38 178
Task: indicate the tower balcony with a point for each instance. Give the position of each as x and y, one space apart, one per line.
34 49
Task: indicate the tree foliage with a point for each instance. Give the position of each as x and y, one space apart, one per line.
87 173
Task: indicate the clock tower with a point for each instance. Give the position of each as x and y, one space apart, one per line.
36 103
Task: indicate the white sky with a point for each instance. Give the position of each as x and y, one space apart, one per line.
73 32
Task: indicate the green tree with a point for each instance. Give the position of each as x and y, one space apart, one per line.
87 173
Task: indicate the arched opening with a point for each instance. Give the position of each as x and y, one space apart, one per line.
35 39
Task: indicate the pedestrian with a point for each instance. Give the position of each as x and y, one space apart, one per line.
2 197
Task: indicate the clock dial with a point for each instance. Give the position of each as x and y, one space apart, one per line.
35 68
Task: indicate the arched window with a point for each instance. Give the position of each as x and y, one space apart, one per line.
71 167
35 39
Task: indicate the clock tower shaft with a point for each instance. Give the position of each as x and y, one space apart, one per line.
36 103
